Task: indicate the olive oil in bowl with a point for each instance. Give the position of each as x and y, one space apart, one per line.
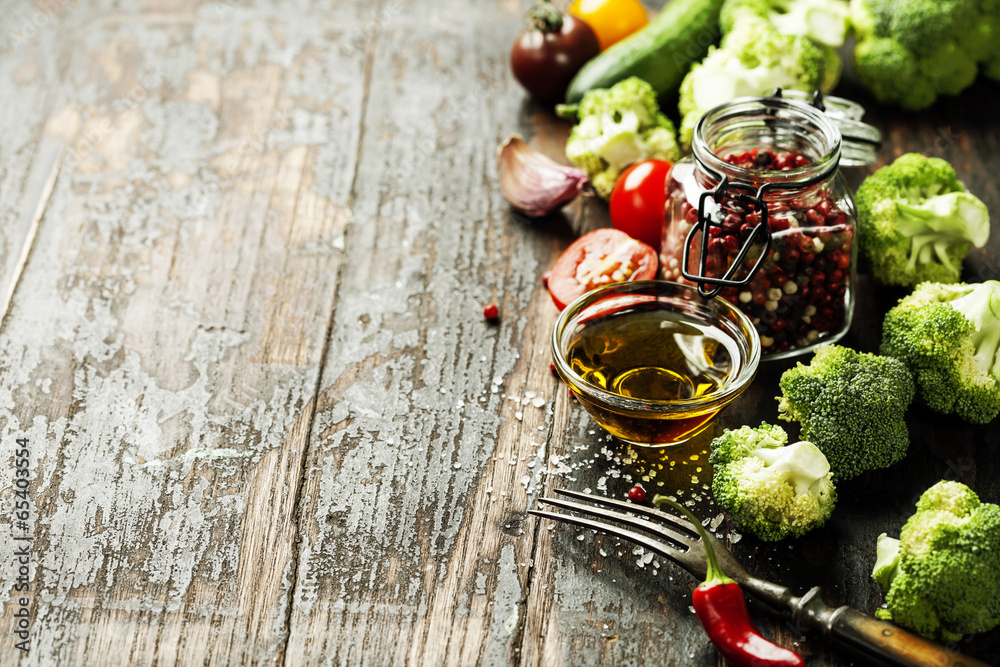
652 365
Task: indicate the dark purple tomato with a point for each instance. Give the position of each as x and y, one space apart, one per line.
547 55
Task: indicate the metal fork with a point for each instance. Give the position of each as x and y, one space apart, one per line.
875 640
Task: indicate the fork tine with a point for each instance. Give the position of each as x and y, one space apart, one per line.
693 559
659 515
611 515
638 538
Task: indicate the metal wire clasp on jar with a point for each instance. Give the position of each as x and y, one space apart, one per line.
761 216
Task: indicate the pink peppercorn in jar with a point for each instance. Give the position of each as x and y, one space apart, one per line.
764 182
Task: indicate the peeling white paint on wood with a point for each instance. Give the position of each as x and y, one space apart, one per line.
163 346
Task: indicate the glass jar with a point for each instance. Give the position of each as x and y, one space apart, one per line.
764 181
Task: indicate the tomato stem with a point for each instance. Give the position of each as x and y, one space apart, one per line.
545 17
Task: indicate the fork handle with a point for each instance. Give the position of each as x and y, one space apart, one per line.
881 640
876 640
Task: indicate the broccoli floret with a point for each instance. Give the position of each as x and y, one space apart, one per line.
917 222
769 488
851 405
618 126
910 51
752 60
949 338
822 21
942 577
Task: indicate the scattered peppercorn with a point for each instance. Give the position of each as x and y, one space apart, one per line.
637 494
491 312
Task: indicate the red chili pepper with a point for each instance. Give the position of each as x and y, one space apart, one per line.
722 610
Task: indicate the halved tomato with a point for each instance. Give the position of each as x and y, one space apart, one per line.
597 258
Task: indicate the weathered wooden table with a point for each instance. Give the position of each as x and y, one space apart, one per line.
244 250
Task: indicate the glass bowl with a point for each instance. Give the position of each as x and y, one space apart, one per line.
652 361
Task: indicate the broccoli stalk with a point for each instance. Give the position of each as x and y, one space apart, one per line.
942 577
851 405
822 21
918 222
617 127
769 488
886 566
981 306
939 226
949 338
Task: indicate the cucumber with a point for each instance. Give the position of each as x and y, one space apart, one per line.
661 53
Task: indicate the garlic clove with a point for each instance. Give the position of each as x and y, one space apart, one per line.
535 185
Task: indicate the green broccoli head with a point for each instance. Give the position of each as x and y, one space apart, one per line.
769 488
949 337
618 126
851 405
917 222
822 21
752 60
942 577
910 51
892 73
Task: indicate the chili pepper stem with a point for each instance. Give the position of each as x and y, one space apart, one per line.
715 574
722 610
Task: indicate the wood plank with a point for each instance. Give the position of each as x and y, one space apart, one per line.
415 548
163 349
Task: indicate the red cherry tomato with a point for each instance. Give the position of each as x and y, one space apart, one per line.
598 258
638 201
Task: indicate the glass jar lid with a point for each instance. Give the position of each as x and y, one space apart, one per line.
860 141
